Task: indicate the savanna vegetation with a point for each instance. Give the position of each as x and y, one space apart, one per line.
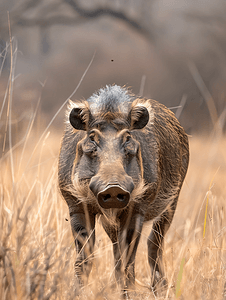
36 245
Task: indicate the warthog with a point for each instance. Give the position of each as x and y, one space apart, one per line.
124 158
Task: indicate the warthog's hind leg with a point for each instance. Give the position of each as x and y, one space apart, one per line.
155 245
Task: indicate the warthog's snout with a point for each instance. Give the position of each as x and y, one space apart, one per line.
113 196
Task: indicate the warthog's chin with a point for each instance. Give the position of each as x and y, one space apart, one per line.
110 216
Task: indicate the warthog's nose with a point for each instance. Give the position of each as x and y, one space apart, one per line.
113 196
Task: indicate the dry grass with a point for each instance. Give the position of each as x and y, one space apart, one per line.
36 245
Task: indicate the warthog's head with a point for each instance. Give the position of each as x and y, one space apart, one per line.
108 157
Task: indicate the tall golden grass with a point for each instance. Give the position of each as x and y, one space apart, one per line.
36 244
37 252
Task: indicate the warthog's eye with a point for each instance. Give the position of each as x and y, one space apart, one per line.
129 145
90 144
92 138
128 138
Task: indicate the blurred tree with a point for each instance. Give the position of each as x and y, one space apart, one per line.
175 34
44 14
3 52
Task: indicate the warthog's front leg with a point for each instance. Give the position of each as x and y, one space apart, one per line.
84 234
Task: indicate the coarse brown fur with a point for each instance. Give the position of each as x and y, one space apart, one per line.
92 157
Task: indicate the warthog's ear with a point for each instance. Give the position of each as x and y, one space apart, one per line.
79 116
138 117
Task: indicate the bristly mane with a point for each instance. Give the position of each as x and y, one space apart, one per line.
113 99
111 104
